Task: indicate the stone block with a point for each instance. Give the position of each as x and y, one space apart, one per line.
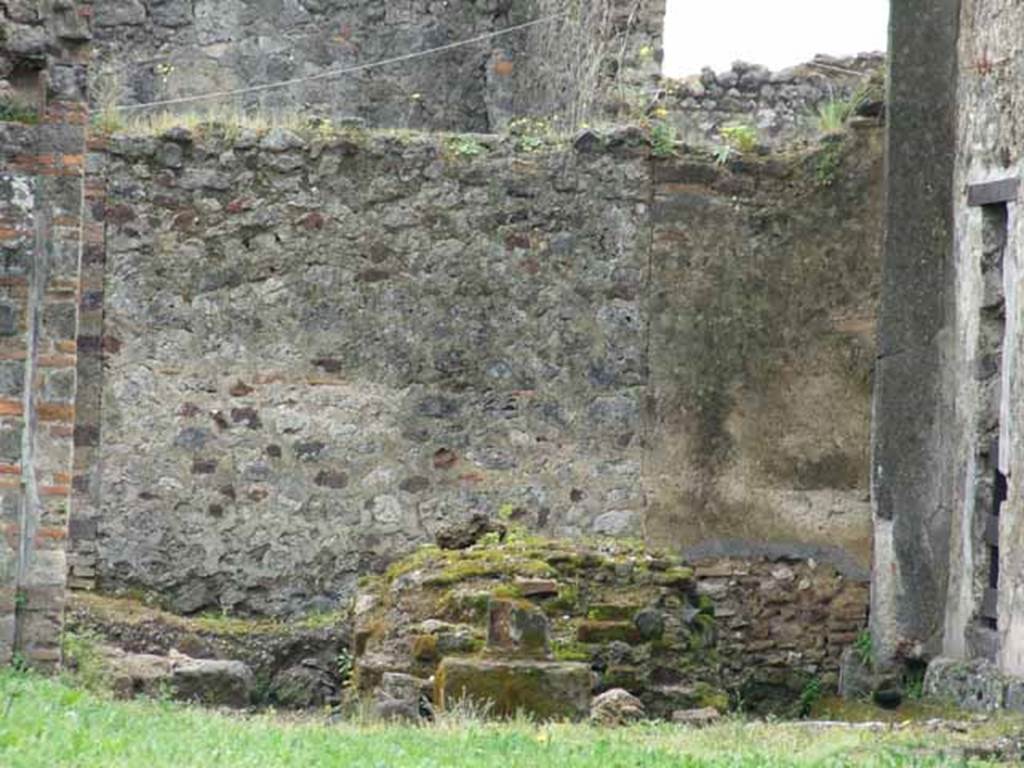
517 626
213 682
12 378
696 717
537 587
305 685
616 707
47 568
116 13
650 623
976 685
608 631
545 690
134 674
856 679
1014 695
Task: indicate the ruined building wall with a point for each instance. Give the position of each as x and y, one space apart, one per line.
317 352
987 439
171 48
41 186
948 517
761 309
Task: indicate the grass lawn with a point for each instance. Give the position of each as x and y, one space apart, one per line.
46 723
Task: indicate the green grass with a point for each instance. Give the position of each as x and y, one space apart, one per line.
45 723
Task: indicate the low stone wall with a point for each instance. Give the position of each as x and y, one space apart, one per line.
781 622
751 633
294 664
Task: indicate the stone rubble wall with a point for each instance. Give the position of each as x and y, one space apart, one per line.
750 632
42 162
315 355
760 309
781 622
172 48
318 351
781 106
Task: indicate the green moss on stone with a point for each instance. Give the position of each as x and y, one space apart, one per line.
607 632
678 577
611 612
506 590
421 558
424 647
565 603
468 607
709 696
572 650
462 571
626 676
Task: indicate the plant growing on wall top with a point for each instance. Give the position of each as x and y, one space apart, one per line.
465 146
742 137
833 114
663 140
106 90
737 139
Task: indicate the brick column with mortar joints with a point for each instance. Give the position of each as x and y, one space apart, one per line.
43 178
85 492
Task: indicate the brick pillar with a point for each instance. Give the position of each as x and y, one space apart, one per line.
85 494
41 187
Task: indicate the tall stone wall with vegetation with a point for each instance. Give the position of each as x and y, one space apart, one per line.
320 348
150 50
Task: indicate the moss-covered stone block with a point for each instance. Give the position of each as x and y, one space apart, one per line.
608 631
518 627
611 612
678 577
569 650
545 690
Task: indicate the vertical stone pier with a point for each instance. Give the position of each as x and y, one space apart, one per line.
41 187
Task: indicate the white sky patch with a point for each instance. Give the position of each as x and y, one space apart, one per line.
776 33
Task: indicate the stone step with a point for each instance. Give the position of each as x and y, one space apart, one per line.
544 689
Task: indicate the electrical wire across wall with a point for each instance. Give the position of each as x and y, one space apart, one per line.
344 70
